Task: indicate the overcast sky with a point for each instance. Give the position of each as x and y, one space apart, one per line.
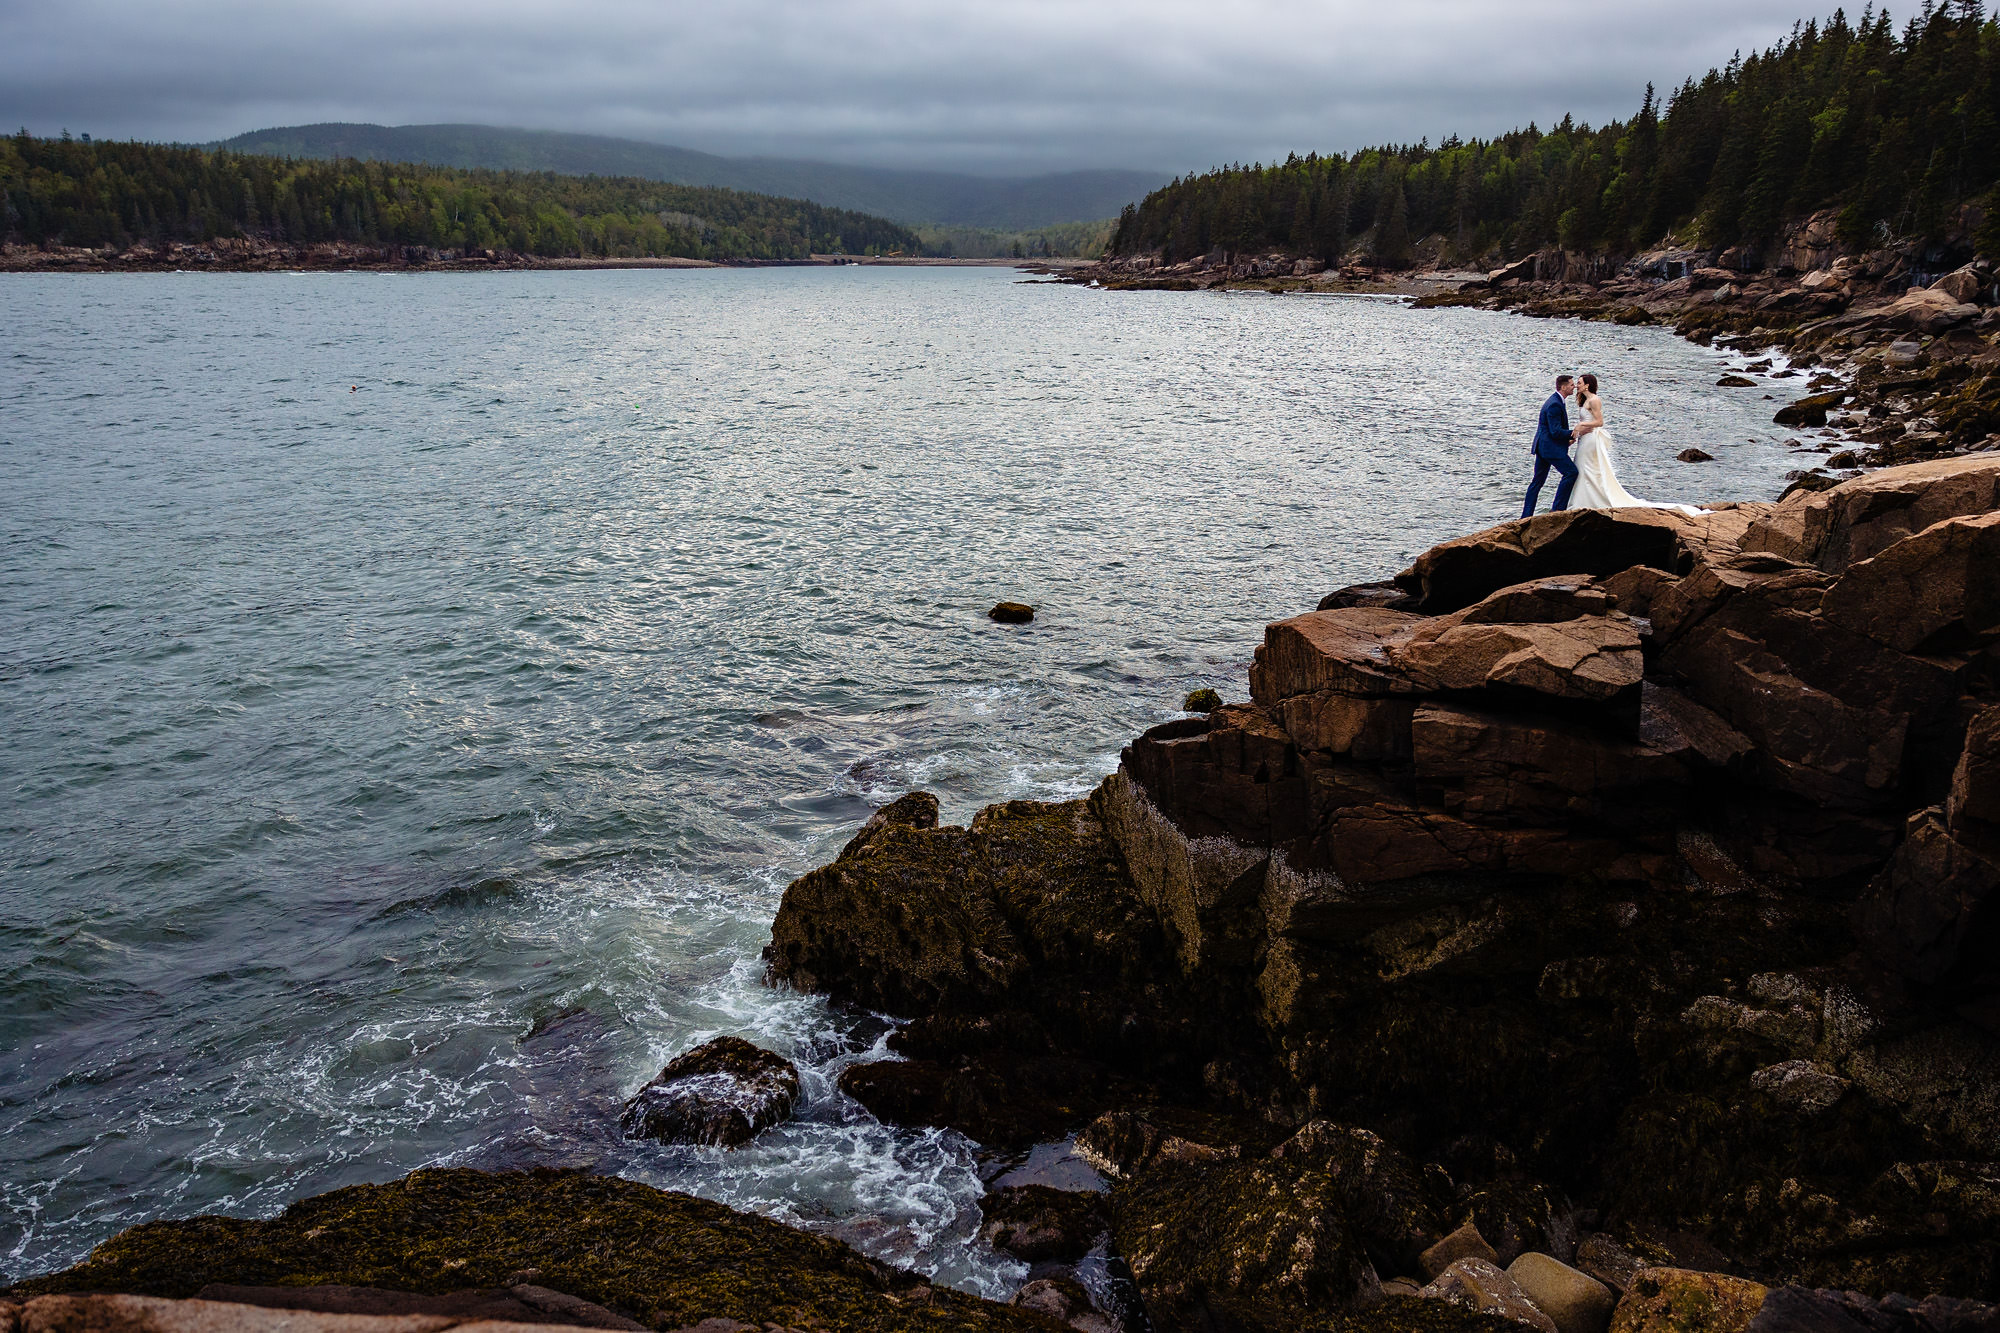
1025 85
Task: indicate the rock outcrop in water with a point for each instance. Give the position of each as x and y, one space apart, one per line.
1620 885
722 1092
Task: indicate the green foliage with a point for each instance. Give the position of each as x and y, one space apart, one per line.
1896 130
59 191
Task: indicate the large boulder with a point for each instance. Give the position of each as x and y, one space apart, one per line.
721 1093
1864 517
1458 573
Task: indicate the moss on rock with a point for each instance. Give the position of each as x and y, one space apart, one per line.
666 1259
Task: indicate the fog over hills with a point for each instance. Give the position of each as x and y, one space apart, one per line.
1005 203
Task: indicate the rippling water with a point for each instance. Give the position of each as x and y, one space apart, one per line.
401 773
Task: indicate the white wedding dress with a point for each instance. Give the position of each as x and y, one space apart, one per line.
1597 479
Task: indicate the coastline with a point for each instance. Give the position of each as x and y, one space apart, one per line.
1904 362
1582 929
260 256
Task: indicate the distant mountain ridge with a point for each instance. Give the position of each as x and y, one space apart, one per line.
940 197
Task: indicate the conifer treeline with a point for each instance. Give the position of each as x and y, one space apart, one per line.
1894 128
59 191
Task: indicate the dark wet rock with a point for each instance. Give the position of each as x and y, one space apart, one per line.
1124 1144
1254 1243
1694 455
1001 1099
1605 1259
664 1260
1201 701
1736 382
1516 1216
1064 1301
1391 1205
912 810
1385 596
1805 1310
1934 913
1810 410
721 1093
1034 1222
1011 613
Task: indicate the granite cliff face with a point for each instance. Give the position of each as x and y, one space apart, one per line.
1612 879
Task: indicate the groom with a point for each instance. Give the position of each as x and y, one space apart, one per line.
1553 438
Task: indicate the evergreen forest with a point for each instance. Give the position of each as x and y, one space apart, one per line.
1896 127
75 192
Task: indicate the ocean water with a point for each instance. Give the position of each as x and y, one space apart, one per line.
418 690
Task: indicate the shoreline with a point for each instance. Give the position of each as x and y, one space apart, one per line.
1585 828
1903 365
256 256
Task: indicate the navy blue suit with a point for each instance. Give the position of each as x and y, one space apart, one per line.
1552 440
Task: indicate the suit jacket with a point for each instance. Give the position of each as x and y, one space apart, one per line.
1552 433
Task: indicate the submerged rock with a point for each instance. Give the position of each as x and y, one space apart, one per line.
721 1093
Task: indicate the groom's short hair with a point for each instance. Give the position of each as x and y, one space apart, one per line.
1564 379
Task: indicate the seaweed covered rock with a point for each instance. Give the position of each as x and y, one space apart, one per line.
722 1093
664 1259
1676 1300
1249 1244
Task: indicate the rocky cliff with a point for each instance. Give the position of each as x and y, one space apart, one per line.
1612 879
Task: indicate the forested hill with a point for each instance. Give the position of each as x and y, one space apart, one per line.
941 198
78 193
1895 127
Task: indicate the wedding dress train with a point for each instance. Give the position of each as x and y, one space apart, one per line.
1597 479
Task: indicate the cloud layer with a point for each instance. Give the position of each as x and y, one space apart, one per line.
1027 86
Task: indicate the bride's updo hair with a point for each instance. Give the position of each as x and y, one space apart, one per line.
1589 382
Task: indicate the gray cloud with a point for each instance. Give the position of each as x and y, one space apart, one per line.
1027 86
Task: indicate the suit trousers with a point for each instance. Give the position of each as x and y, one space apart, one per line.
1562 463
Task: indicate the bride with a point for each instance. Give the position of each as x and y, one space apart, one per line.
1597 479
